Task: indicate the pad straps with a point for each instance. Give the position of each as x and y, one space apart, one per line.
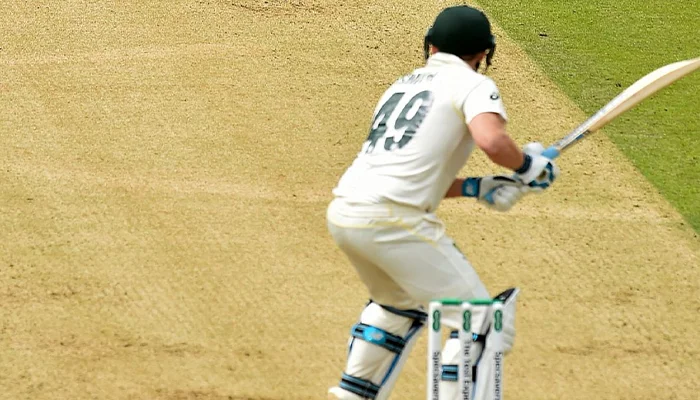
359 386
379 337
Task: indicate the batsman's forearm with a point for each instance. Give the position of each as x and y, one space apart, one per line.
504 152
455 189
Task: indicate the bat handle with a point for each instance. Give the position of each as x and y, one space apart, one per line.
551 152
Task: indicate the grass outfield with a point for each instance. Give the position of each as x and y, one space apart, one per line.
593 50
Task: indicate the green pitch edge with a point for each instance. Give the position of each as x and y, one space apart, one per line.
595 49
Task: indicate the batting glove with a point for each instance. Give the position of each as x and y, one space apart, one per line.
537 172
498 192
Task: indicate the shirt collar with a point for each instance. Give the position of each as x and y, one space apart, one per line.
442 59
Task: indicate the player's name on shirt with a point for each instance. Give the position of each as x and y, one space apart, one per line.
416 78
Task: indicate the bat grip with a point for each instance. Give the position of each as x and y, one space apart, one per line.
551 152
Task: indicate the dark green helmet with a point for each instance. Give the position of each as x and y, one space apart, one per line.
461 30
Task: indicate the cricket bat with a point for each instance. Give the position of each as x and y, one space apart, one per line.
630 97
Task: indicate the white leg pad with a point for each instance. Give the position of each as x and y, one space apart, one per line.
378 350
486 375
509 297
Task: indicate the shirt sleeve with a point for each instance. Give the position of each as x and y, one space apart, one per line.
484 98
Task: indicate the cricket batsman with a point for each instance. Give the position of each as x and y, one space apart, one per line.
423 130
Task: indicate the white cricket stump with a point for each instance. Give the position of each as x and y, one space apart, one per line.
464 370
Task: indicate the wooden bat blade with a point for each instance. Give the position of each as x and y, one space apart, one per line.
644 88
630 97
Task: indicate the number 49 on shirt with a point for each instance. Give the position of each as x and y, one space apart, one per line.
408 121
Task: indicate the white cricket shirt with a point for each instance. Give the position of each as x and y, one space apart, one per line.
419 138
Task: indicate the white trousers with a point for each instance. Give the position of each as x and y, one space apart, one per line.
403 255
